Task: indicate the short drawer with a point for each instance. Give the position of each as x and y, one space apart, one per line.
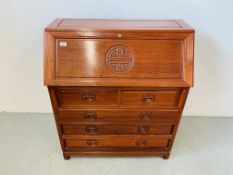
151 99
117 141
72 97
70 129
117 115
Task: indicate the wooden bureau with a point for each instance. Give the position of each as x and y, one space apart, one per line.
118 87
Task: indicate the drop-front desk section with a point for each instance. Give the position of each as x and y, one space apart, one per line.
118 87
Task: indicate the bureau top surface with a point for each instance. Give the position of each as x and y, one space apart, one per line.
107 24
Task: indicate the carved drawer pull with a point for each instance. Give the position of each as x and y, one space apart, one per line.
91 129
92 142
90 115
89 98
146 115
148 98
141 142
143 129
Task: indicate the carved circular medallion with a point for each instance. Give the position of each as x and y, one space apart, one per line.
119 59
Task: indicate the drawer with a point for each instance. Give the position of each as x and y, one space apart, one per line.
151 99
117 115
72 97
70 129
117 141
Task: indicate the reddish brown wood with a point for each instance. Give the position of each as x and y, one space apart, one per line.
114 141
74 97
93 129
122 25
117 24
83 58
117 152
169 65
118 87
98 116
166 156
151 99
66 156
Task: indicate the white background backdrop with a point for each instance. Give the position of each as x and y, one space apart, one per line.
21 49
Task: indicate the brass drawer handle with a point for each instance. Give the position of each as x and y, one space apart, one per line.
92 142
146 115
89 98
90 115
143 129
91 129
141 142
148 98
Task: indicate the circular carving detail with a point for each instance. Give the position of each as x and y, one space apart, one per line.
119 59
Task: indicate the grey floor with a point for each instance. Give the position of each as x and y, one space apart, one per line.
29 146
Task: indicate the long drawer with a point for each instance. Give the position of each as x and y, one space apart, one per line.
117 115
71 129
116 141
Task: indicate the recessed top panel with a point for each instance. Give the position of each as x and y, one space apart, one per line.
98 23
107 24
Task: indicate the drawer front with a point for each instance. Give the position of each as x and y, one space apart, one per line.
103 58
148 99
71 97
117 141
116 115
116 129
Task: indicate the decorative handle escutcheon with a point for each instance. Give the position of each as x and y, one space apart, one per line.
90 115
91 129
148 98
141 142
143 129
89 98
92 142
146 115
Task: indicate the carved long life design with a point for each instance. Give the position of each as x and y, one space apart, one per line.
119 59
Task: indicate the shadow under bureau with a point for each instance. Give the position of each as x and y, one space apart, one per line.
118 87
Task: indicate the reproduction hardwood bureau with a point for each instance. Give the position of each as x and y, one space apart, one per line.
118 87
